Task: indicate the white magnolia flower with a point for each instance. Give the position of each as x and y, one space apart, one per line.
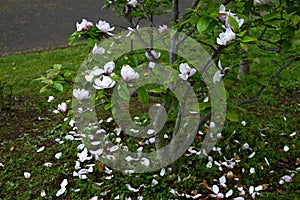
225 14
81 94
109 67
219 74
128 73
133 3
50 98
186 71
226 37
104 82
62 107
155 55
89 77
1 165
98 50
105 27
163 28
84 25
132 30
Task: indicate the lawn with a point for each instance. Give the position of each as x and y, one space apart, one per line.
258 152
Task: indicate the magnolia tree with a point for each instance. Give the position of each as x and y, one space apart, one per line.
181 64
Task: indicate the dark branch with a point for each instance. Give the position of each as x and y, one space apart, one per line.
259 92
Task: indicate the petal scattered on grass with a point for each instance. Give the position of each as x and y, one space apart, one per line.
40 149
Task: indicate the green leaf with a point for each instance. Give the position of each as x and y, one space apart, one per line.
271 16
123 91
244 46
143 95
58 86
43 89
107 106
234 24
57 66
248 39
232 116
47 81
90 42
204 105
157 90
203 24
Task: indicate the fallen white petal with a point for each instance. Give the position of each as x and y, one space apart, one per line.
27 175
43 193
40 149
251 155
58 155
131 188
292 134
48 164
69 137
252 170
162 172
229 193
145 161
154 182
60 192
286 148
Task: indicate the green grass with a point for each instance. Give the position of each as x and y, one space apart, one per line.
22 132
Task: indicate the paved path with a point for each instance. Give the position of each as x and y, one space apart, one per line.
33 25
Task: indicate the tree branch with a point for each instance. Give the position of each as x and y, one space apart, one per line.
259 92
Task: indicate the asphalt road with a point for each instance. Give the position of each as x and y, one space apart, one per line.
34 25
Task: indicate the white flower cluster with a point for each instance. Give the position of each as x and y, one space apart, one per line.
228 35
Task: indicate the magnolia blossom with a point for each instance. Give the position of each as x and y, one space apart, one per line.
186 71
155 55
98 50
81 94
105 27
132 30
104 82
225 14
84 25
220 73
163 28
62 107
128 73
133 3
226 36
109 67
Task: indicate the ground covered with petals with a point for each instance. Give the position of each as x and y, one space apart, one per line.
42 157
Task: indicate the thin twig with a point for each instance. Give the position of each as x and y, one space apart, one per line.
259 92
